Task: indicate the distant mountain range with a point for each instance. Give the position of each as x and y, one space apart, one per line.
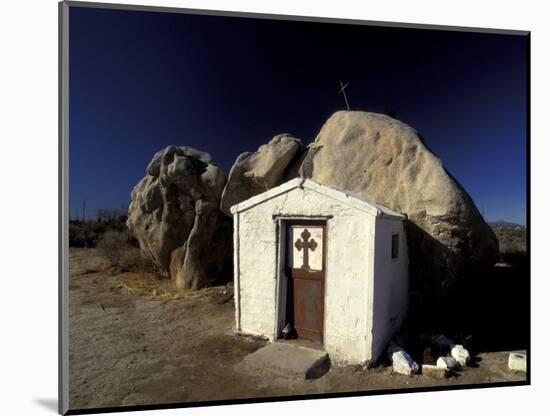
504 224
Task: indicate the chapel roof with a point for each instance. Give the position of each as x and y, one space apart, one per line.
346 197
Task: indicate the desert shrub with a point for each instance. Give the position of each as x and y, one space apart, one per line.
109 233
118 247
133 259
88 233
512 244
75 237
85 233
511 239
112 243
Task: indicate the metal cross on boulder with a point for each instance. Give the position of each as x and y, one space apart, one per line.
306 244
343 92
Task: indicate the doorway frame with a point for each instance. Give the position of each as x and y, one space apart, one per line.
281 287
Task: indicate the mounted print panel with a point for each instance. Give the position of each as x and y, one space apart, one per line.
289 197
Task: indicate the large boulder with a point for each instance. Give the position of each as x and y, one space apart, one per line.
174 214
256 172
380 158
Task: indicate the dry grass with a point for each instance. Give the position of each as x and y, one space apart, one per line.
152 286
132 274
86 261
149 285
115 246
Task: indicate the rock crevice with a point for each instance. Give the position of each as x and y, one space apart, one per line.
256 172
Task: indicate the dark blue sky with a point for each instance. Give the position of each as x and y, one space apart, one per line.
140 81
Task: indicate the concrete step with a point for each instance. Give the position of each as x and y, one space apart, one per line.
288 359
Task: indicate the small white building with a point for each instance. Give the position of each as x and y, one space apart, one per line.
333 265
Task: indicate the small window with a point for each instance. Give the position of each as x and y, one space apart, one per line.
394 246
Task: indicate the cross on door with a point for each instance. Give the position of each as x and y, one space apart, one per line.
307 245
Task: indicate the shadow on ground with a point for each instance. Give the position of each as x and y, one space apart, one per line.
488 312
499 313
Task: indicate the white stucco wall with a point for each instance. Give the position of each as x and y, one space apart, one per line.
348 274
391 284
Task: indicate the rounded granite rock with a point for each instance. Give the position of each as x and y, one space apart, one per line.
385 160
174 215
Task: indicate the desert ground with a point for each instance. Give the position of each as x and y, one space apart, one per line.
135 340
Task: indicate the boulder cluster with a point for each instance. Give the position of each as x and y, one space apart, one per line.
180 210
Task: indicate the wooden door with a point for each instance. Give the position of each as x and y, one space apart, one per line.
306 270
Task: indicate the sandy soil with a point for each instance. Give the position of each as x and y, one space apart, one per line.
134 340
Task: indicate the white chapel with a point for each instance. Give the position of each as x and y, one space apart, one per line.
329 265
